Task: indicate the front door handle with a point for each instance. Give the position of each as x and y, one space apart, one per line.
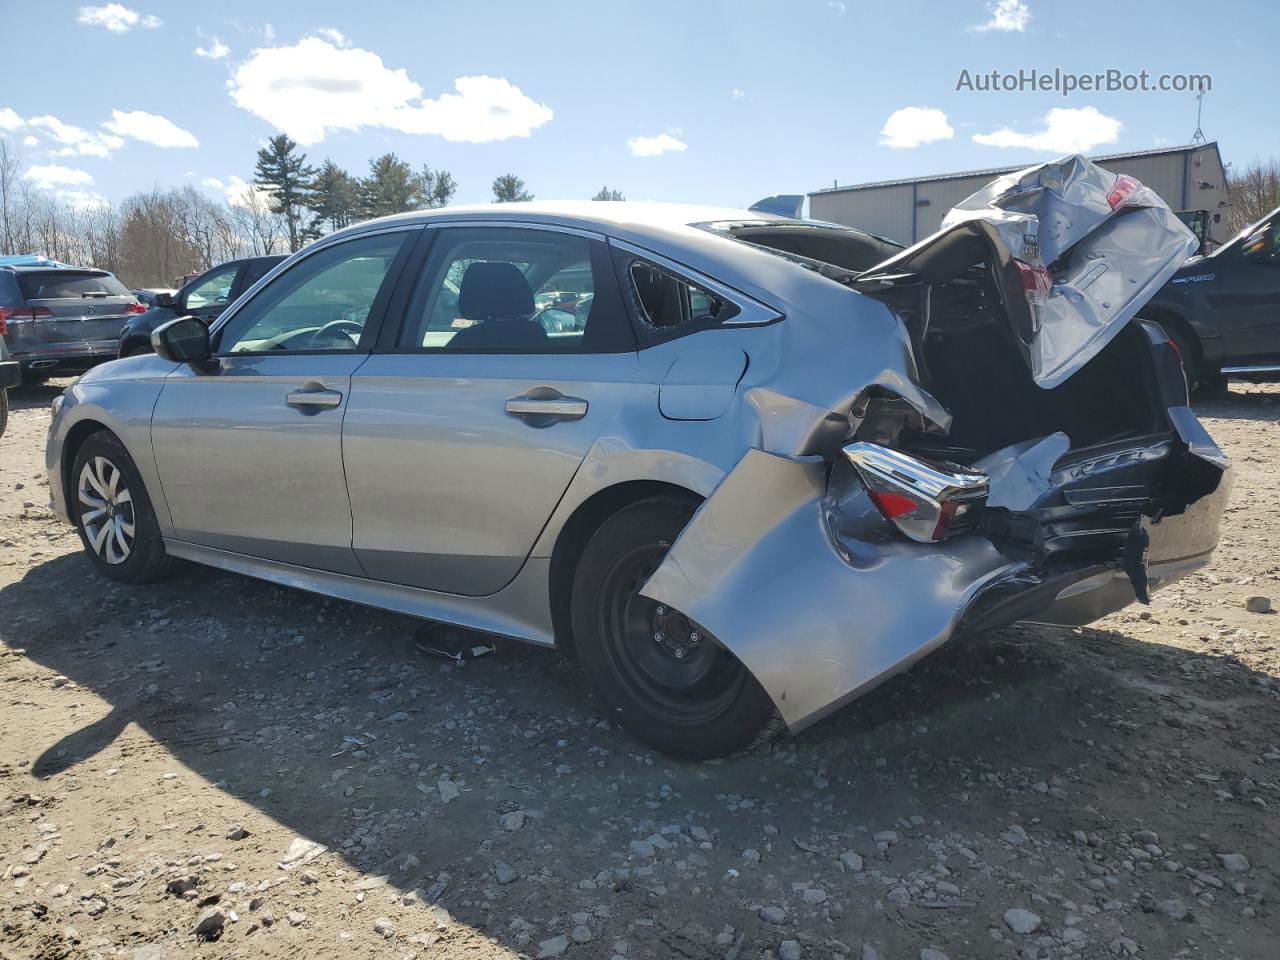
542 410
314 395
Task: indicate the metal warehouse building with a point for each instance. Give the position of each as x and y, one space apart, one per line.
1190 179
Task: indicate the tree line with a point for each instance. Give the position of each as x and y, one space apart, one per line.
155 237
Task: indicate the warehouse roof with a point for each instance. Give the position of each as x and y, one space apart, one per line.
996 171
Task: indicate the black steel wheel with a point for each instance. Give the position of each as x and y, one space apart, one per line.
666 682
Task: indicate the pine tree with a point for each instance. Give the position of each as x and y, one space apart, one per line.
509 188
284 174
391 187
334 198
438 186
607 194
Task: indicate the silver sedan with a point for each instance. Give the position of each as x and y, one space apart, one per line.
744 466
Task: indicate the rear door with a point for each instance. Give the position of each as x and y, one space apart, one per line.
70 312
466 426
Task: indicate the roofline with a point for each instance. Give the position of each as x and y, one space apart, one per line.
996 171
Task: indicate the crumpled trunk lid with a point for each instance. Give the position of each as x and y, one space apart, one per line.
1077 251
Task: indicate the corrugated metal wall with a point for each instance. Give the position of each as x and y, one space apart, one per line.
1186 180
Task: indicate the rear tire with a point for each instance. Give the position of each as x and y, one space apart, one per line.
113 513
4 410
667 683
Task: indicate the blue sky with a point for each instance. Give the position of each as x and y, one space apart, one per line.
701 100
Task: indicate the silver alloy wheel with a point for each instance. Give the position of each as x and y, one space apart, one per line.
107 510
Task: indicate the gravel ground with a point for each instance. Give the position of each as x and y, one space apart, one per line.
219 767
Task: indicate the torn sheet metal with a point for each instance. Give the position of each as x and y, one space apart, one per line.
1092 246
817 615
1019 475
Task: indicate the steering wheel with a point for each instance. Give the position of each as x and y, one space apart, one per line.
350 328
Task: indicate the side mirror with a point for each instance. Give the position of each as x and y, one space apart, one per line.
185 340
167 300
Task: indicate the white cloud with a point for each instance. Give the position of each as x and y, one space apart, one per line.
837 6
117 18
313 87
737 94
81 199
336 37
216 50
241 193
1066 130
912 126
1006 15
76 141
9 119
213 183
653 146
30 141
53 175
150 128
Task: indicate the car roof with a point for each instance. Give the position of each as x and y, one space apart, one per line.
600 214
62 268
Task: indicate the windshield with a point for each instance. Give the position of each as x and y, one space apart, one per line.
67 284
1247 231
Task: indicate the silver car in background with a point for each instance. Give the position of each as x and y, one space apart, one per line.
741 464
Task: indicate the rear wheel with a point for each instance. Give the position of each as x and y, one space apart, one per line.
113 513
666 682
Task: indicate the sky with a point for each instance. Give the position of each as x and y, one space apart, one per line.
712 101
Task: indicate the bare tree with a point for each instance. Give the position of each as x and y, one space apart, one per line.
10 170
1254 192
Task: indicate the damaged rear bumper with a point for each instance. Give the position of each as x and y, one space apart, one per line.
791 566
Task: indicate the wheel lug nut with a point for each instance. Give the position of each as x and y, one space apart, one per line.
659 637
694 636
661 611
678 653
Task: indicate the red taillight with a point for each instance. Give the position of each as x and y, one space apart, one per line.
1036 281
1120 190
925 502
4 321
892 505
136 307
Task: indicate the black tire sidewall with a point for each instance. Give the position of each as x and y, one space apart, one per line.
734 729
147 561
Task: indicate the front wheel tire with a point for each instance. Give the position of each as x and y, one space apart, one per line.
113 513
668 685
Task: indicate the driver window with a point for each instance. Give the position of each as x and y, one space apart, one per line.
213 289
320 305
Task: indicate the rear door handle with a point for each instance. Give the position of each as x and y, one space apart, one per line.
310 396
545 409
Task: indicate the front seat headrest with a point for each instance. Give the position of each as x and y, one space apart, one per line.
492 290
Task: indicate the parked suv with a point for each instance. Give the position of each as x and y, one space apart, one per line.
1223 310
59 319
204 297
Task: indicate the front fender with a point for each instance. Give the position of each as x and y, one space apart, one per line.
120 400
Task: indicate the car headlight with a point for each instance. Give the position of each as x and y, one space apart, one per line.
57 404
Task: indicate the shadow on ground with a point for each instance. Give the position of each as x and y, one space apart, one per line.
254 687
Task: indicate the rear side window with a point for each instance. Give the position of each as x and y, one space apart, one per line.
68 284
10 295
516 290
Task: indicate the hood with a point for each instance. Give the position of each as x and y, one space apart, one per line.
1075 249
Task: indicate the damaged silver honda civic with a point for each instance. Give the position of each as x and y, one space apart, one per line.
746 466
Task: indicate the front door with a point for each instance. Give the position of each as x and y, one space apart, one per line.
250 453
1245 295
209 294
462 435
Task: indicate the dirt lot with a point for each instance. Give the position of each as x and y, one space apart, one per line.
175 778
